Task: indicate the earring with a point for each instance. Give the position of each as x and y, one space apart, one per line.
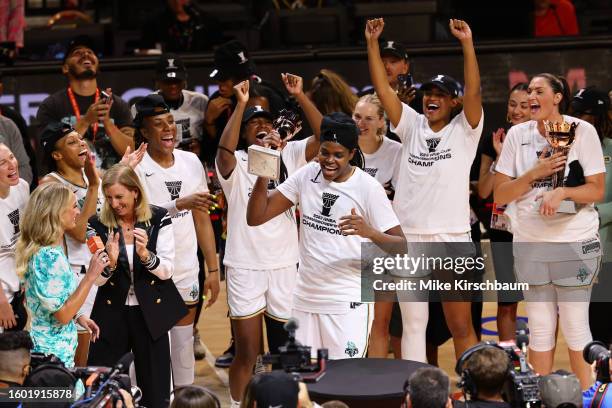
508 119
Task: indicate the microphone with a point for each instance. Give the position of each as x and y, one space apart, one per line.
123 365
522 335
94 243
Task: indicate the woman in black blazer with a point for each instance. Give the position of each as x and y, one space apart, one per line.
137 305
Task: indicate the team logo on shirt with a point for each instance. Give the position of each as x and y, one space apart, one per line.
14 219
329 200
371 171
351 349
174 188
432 143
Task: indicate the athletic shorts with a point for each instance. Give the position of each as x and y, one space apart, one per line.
189 288
91 296
252 291
576 273
343 335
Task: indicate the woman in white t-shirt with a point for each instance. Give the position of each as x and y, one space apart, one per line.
340 205
260 261
432 190
381 156
560 275
14 194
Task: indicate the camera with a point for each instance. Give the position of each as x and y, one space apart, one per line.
286 124
295 358
598 352
521 388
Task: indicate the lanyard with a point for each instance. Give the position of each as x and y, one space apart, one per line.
77 111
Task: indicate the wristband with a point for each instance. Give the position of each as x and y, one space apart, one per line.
213 270
492 168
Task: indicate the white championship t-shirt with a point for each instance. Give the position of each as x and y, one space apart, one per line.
432 188
78 252
272 245
383 163
189 117
520 153
185 177
11 211
329 275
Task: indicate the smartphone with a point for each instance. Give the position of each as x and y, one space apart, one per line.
405 80
104 97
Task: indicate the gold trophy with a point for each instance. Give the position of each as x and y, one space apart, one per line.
561 137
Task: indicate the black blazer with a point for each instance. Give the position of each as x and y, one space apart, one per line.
160 301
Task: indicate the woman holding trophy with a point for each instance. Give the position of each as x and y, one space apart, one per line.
550 173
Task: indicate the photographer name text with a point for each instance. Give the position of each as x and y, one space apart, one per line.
438 285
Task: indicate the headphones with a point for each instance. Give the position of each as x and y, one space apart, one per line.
466 382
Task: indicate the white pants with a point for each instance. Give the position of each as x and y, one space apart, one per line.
343 335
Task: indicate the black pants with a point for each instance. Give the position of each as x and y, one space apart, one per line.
124 331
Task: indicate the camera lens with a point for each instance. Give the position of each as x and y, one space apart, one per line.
594 351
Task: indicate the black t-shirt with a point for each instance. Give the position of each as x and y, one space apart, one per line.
200 33
57 108
480 404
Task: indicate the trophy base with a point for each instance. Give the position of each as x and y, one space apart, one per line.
264 162
567 207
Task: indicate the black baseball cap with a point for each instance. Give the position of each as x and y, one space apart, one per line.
170 67
276 389
394 48
81 41
590 101
340 128
446 83
150 105
255 112
232 60
52 133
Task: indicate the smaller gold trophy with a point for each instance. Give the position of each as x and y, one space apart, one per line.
561 137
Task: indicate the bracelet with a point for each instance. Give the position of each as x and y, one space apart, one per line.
213 270
152 262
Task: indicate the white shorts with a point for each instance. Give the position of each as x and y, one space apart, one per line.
566 273
91 296
252 291
343 335
189 288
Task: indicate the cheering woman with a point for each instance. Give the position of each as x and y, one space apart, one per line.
432 196
341 208
561 275
138 304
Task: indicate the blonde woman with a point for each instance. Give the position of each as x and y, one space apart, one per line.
52 293
138 304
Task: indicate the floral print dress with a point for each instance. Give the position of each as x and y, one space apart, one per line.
49 283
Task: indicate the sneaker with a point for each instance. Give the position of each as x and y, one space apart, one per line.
225 359
198 347
259 366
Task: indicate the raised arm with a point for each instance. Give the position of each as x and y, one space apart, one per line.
378 75
263 206
472 98
295 86
225 159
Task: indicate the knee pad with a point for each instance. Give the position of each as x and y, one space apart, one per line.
574 320
542 325
181 353
276 334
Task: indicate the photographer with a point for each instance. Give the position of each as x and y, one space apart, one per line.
484 370
427 387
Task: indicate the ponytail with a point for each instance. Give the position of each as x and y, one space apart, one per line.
358 159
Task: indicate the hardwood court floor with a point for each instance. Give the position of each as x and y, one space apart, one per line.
215 333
